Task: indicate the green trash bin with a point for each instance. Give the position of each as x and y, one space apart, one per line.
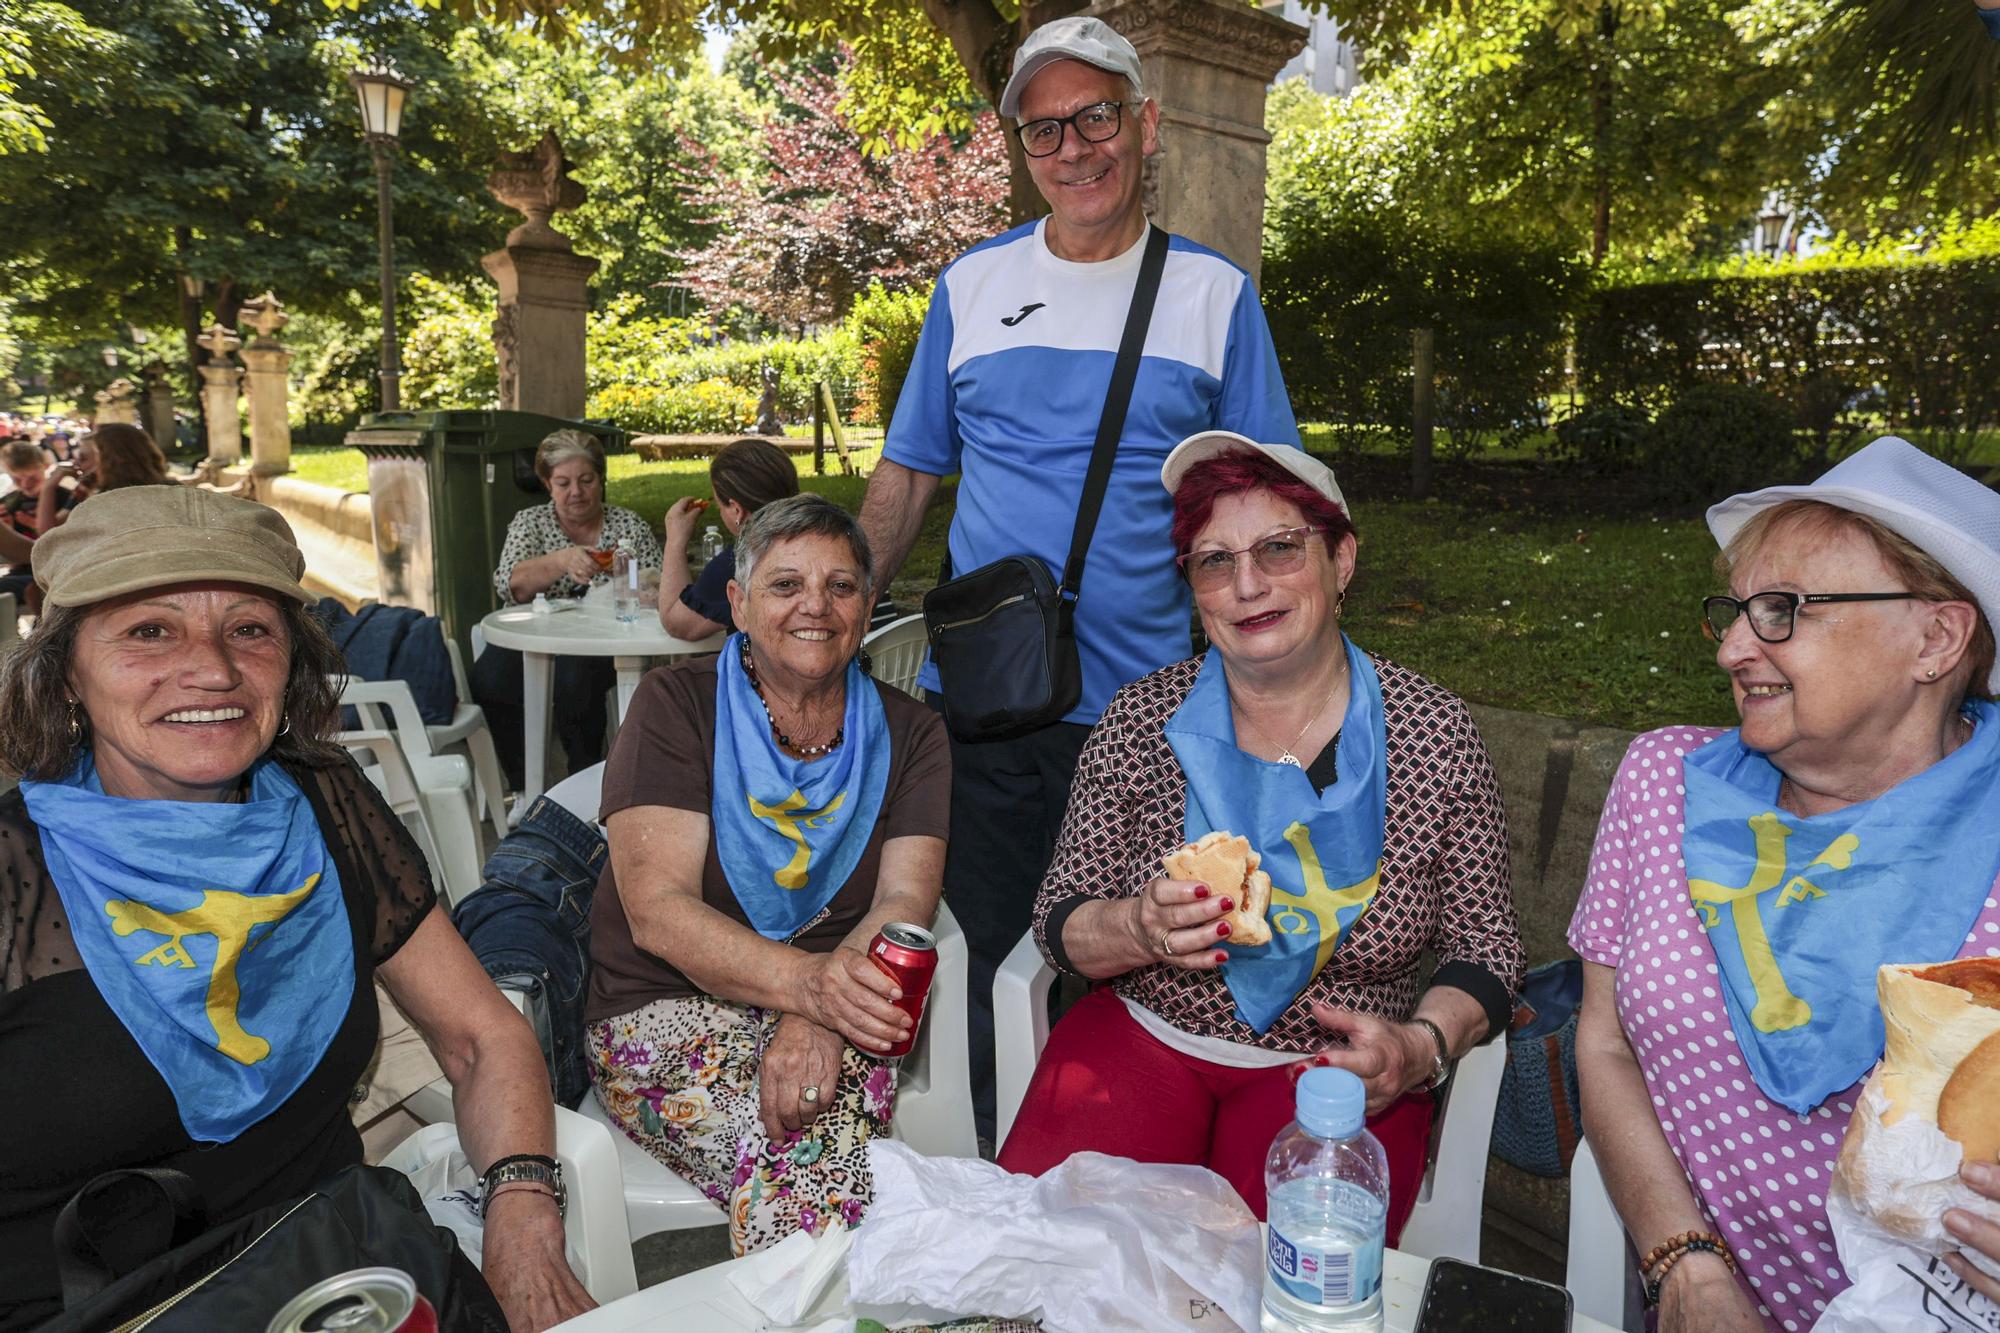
444 486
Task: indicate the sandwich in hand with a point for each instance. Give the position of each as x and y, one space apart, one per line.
1226 864
1941 1067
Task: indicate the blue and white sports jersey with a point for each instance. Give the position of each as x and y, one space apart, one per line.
1007 386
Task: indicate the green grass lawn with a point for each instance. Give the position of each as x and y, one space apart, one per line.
1499 589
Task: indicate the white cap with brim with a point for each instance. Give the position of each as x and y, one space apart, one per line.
1211 443
1929 503
1092 41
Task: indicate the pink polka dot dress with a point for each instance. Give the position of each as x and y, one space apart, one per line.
1760 1172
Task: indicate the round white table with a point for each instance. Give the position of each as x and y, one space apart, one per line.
705 1302
583 629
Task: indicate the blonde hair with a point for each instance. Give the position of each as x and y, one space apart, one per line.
1915 568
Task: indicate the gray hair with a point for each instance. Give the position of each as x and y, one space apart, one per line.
804 515
564 445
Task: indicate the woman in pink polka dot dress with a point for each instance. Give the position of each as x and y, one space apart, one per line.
1710 1116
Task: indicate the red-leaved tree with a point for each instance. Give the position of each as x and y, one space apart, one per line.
826 219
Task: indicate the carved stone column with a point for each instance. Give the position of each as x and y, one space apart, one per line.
156 406
1208 65
220 380
538 335
265 362
118 402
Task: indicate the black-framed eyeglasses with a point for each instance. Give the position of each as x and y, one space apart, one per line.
1773 615
1095 123
1280 553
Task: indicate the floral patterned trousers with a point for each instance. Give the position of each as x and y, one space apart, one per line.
681 1078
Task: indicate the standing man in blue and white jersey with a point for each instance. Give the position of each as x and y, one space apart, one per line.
1006 388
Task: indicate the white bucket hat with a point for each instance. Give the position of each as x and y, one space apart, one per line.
1092 41
1209 443
1930 504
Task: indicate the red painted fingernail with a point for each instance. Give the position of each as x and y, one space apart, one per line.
1228 905
1221 957
1221 929
1201 890
1320 1060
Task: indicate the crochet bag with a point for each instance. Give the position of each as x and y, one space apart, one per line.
1539 1116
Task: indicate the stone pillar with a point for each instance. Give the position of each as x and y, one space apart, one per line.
219 383
265 362
156 406
1208 65
118 403
538 334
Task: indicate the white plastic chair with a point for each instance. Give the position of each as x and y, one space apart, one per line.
1603 1272
595 1225
443 782
467 732
897 652
383 764
1445 1220
933 1088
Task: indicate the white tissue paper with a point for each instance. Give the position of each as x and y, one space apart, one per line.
799 1284
1886 1208
1097 1245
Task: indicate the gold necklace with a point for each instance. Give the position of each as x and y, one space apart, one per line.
1285 755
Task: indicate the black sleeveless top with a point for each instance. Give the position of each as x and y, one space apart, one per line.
77 1095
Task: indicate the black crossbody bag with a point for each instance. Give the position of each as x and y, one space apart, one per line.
1004 635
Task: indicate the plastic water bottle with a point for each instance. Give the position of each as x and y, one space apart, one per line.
1327 1187
711 544
625 584
540 605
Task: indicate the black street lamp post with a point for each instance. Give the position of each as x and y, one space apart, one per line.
382 92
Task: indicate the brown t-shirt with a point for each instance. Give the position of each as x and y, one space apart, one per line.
665 756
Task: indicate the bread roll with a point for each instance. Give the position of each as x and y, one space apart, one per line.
1226 864
1937 1016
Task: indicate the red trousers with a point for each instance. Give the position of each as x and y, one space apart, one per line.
1107 1085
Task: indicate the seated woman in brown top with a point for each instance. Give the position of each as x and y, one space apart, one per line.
1369 797
769 809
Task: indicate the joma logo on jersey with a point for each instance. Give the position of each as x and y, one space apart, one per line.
1011 320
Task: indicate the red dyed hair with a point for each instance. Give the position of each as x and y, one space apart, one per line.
1241 470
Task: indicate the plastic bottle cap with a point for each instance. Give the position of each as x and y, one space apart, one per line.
1332 1103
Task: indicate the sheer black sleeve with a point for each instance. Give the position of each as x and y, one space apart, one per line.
395 877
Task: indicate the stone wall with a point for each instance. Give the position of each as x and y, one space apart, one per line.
336 530
1553 777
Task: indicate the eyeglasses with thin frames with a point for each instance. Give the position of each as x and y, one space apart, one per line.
1094 124
1280 553
1774 615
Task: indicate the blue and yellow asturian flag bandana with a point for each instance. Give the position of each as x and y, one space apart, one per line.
790 831
215 931
1801 912
1322 850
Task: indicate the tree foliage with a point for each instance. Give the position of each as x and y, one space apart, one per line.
828 217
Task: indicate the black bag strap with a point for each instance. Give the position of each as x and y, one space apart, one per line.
1112 424
120 1220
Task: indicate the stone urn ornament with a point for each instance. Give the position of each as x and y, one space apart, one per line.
266 314
537 184
767 405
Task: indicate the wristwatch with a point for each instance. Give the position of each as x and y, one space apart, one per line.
526 1167
1440 1057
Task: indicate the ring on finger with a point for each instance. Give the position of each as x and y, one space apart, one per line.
809 1094
1166 949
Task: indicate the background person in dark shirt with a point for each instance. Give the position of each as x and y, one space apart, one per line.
744 476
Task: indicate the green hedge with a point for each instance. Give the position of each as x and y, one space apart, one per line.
1911 344
885 325
706 407
833 356
1345 288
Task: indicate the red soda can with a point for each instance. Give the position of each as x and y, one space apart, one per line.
367 1300
909 955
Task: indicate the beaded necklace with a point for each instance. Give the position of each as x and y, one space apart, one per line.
804 751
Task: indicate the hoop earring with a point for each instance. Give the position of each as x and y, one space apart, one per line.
75 724
284 725
1339 603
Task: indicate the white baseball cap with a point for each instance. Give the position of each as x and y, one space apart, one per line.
1927 502
1210 443
1092 41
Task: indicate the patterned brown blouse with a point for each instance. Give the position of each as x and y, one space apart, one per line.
1445 883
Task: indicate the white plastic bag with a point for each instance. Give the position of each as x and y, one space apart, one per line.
1099 1244
1886 1208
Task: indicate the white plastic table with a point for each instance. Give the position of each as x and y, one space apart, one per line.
704 1302
588 629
